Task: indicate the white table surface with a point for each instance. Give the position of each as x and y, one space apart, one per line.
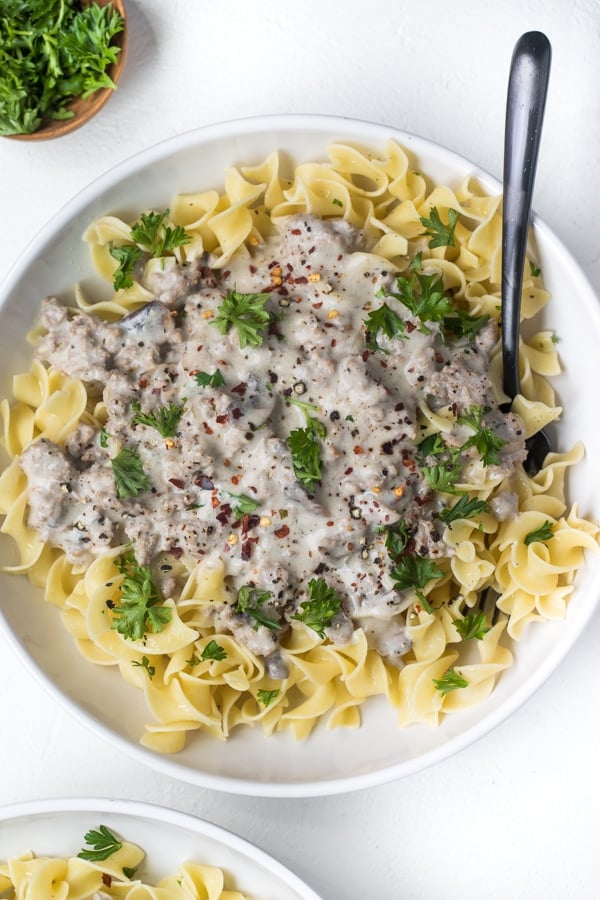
514 816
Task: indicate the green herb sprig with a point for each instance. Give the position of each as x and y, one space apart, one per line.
103 843
128 471
246 313
140 610
318 611
249 600
305 447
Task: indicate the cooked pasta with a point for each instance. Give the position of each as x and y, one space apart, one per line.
224 638
108 870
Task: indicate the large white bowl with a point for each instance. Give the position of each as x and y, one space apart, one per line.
328 762
57 827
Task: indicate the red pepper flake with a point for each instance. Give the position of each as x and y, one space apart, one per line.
236 413
317 305
106 879
176 552
178 482
273 264
235 479
410 327
331 524
282 531
358 449
214 501
296 231
349 471
302 279
240 388
333 342
223 515
252 269
143 382
246 550
222 419
207 428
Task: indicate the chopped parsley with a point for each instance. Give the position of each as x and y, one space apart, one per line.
414 572
144 663
249 600
534 270
52 51
243 505
165 419
266 697
304 445
383 319
213 650
246 313
474 625
543 533
128 471
450 681
103 842
423 295
465 508
126 256
214 380
440 234
485 441
140 610
150 235
442 476
319 610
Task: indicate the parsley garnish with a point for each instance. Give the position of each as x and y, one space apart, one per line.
543 533
450 681
144 663
465 508
442 476
266 697
249 598
441 235
318 611
472 626
534 269
246 313
243 505
463 324
306 453
484 440
129 475
138 612
151 235
103 439
414 572
383 319
214 380
104 843
52 51
423 295
165 419
213 651
397 537
432 445
126 256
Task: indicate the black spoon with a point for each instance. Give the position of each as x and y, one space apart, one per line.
526 99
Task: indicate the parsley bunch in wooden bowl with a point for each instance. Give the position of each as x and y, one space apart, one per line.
60 60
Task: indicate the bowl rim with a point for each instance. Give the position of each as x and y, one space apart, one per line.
365 132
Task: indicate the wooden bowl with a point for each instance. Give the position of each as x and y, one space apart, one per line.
84 110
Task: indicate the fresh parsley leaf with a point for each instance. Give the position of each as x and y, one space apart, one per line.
52 51
305 448
129 475
424 296
243 505
440 235
249 599
337 202
213 651
534 269
463 325
153 234
103 439
165 419
383 319
465 508
485 441
144 663
127 256
214 380
474 625
414 572
266 697
442 476
303 405
104 844
246 313
544 533
129 872
450 681
397 537
432 445
318 611
139 611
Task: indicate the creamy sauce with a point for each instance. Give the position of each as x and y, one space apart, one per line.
231 440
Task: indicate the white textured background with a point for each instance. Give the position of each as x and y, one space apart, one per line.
515 816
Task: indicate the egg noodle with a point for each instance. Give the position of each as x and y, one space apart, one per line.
109 872
384 195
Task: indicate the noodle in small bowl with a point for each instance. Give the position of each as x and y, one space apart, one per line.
224 186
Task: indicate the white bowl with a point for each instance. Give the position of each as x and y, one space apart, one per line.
56 828
328 762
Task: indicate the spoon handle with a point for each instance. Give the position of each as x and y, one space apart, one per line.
526 99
